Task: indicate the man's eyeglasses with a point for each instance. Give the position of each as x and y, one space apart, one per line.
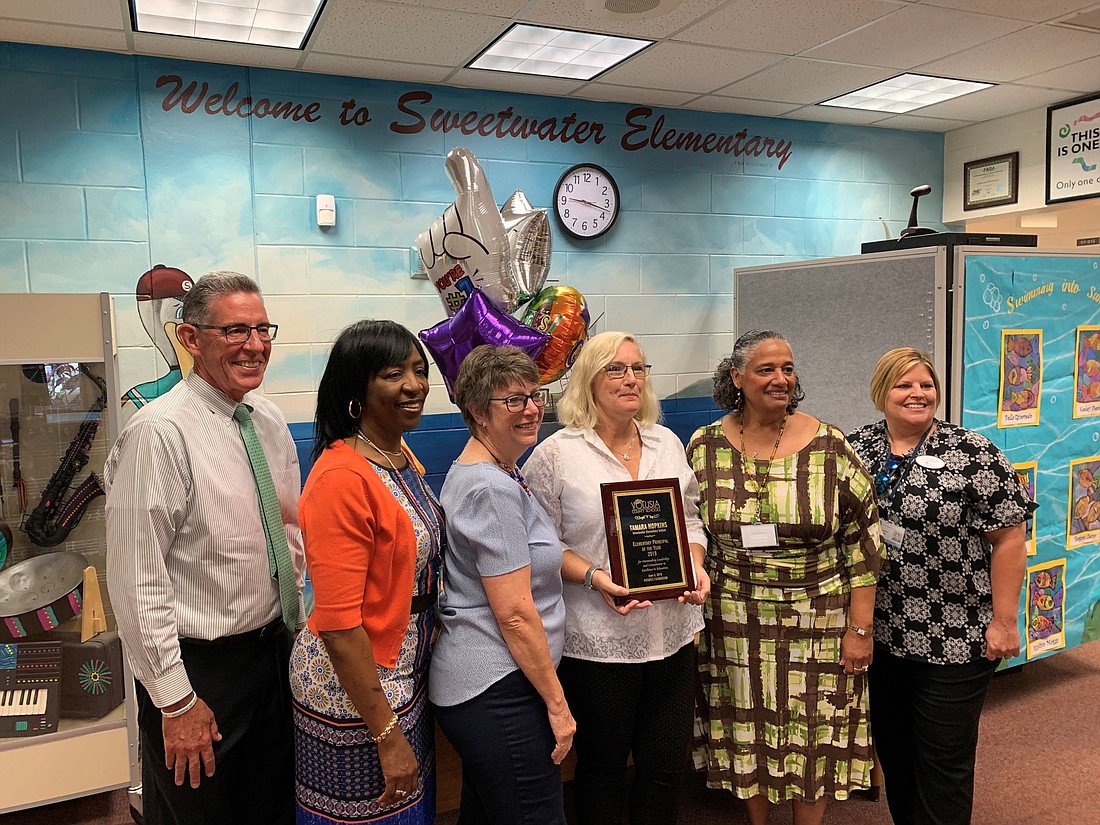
618 371
886 475
239 333
518 402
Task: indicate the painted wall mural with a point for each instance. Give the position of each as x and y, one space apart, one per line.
160 293
121 163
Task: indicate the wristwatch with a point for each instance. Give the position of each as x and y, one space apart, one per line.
588 577
859 631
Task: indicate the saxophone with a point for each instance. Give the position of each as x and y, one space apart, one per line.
53 519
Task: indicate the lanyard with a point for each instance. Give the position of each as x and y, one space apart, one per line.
894 478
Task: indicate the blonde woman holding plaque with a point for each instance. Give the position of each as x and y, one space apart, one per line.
627 670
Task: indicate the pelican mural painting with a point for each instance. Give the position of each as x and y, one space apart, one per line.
159 295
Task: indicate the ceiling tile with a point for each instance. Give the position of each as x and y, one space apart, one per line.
784 27
914 35
688 68
1088 19
508 82
378 69
922 124
739 105
631 94
74 37
798 80
216 51
495 8
572 14
385 31
987 104
1020 54
97 13
1037 11
1078 77
832 114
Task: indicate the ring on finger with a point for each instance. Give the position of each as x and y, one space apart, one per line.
401 794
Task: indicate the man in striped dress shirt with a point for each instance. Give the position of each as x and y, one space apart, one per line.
190 580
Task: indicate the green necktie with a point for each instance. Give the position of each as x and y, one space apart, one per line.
278 552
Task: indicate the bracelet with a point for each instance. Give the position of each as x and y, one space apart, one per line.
588 577
380 738
859 631
172 714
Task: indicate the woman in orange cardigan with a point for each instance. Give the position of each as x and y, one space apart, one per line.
374 541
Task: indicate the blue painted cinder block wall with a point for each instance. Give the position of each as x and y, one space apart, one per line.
440 438
110 164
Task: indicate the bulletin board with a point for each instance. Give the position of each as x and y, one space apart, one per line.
1030 382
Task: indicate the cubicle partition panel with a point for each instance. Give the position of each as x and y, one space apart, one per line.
841 314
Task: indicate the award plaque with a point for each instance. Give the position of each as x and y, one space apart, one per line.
646 538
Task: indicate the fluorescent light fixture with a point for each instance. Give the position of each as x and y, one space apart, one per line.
905 93
282 23
550 52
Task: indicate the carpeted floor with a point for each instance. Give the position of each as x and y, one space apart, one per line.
1038 761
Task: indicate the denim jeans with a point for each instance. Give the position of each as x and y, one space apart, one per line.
504 738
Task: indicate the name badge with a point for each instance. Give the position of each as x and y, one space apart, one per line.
932 462
892 534
759 535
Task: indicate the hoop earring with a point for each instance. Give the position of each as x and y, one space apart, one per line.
358 409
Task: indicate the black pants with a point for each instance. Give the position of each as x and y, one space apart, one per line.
504 738
642 709
245 681
924 719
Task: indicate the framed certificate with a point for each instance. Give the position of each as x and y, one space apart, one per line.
1073 150
646 538
991 181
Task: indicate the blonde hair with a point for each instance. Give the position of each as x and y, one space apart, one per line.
892 366
577 407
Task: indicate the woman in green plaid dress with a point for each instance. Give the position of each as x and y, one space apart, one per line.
793 555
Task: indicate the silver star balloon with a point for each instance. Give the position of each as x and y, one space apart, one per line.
528 231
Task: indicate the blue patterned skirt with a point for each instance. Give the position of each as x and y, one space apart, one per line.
338 774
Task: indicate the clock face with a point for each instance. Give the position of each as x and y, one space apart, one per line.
586 201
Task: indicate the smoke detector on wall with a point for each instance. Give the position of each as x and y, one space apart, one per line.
629 9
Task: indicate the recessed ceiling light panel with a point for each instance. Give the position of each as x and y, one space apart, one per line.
541 50
905 93
281 23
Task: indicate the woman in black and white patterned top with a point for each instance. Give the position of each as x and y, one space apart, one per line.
952 512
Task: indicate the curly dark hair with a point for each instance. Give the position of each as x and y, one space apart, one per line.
726 394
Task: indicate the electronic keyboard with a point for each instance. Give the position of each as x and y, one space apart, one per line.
30 688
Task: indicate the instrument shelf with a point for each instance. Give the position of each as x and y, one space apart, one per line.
59 414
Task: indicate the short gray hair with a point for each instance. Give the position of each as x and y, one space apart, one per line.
486 370
196 303
726 394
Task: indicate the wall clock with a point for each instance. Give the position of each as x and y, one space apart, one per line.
586 201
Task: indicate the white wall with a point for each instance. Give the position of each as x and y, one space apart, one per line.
1024 133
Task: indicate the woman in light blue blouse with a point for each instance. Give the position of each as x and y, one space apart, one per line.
493 680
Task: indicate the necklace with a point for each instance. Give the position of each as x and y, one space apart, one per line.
762 482
384 453
512 470
624 453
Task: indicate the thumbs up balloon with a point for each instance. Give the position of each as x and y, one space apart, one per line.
467 246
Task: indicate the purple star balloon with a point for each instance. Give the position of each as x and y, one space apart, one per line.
477 322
